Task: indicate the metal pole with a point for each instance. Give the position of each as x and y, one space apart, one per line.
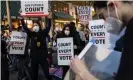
8 15
52 20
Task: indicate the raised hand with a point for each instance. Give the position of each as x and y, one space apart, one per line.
50 15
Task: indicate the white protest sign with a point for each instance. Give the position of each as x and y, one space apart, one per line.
34 8
84 13
19 42
65 50
98 31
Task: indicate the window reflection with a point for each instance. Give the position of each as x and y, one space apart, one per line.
60 7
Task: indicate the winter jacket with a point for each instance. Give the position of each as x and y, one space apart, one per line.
38 40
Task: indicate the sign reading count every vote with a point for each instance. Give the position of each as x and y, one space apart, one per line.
98 31
65 50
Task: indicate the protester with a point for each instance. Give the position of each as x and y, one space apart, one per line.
4 62
12 56
57 32
67 32
38 49
76 38
87 32
23 59
82 36
113 12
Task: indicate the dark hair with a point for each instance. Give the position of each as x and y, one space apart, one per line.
72 24
38 24
72 27
67 25
103 4
19 28
100 4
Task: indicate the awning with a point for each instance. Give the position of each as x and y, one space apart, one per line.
61 15
14 8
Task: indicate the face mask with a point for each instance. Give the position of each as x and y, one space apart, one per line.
36 28
113 25
67 32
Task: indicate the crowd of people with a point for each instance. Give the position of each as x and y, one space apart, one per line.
116 13
119 15
37 48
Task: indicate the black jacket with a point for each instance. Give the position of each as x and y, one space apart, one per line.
3 50
4 62
36 38
125 71
119 44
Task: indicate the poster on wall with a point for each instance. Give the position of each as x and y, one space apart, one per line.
18 40
98 31
65 50
34 8
84 13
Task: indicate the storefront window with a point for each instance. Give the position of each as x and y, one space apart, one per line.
29 23
60 7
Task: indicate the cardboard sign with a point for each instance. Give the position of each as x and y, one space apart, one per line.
65 50
34 8
84 13
19 42
98 31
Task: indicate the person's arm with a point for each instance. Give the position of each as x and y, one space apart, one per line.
86 75
80 69
48 26
25 27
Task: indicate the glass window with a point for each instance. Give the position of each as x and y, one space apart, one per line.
60 7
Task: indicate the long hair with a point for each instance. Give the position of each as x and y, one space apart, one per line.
67 25
73 28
